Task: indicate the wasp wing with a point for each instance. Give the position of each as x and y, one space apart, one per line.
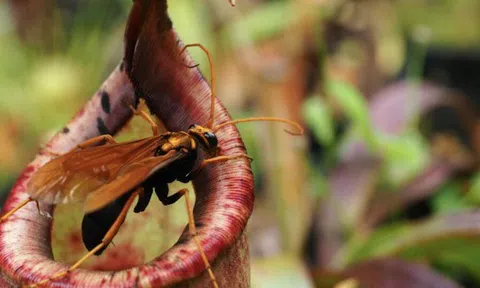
71 177
129 178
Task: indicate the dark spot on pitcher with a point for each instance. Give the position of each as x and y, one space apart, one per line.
105 100
101 126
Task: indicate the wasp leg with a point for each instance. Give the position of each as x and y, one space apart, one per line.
95 141
148 118
9 213
195 172
193 232
99 140
51 153
225 158
161 189
105 241
143 199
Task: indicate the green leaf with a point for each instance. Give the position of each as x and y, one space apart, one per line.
318 183
355 107
280 271
250 137
189 17
473 194
449 199
319 118
264 21
448 239
405 156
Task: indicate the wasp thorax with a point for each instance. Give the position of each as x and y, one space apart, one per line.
204 137
162 150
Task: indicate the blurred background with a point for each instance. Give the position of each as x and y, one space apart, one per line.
383 189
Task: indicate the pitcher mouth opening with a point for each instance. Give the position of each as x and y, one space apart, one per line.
223 206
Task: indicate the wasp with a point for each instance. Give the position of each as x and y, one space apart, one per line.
108 176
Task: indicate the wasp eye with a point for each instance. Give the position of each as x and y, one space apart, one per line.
211 138
192 126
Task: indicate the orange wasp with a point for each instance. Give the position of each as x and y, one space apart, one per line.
108 176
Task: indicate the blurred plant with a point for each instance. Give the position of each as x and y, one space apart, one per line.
409 165
44 75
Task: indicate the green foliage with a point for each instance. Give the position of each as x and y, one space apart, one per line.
319 185
405 156
267 20
449 239
42 87
319 118
355 107
251 139
189 17
473 194
449 199
452 23
282 271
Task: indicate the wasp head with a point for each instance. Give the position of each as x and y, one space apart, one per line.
204 137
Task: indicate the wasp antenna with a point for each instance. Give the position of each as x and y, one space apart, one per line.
264 119
212 72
